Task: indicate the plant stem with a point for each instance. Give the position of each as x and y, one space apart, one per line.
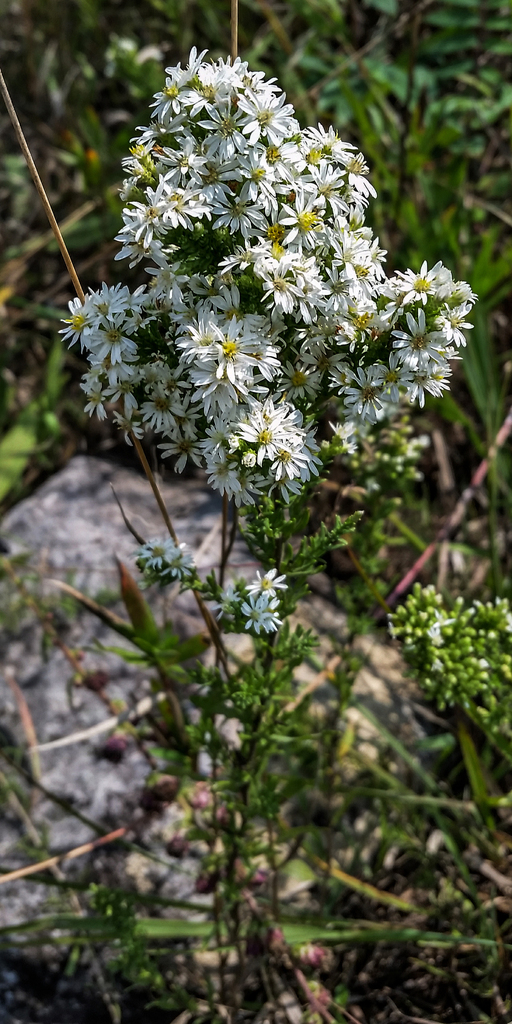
210 623
234 29
224 556
40 188
369 582
43 617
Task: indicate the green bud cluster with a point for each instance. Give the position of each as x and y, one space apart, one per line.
459 654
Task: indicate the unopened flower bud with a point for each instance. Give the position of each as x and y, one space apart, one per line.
312 956
114 748
201 797
177 846
206 882
95 681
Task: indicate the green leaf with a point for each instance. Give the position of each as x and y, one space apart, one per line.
18 446
299 870
475 774
110 618
141 616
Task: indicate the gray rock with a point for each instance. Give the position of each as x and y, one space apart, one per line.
72 529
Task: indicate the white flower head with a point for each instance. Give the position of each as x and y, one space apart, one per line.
261 613
268 583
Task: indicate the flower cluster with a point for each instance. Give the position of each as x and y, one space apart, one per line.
255 605
162 561
267 295
458 654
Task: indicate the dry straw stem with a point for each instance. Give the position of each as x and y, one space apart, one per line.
210 622
455 519
51 862
324 676
43 617
40 188
26 720
234 29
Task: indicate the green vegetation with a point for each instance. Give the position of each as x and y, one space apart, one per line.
423 89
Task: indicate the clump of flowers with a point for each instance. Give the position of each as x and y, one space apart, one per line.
459 654
162 561
267 295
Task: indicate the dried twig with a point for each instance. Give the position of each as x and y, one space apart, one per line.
325 674
234 29
26 720
455 519
143 707
51 862
40 188
210 623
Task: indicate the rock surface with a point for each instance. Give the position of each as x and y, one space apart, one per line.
72 529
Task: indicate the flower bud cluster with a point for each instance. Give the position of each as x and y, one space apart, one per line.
162 561
458 654
255 606
267 294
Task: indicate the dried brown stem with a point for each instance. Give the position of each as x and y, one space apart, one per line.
234 29
455 519
32 869
40 188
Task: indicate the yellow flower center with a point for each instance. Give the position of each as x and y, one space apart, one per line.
275 232
265 436
264 117
361 320
230 349
298 379
421 284
307 220
77 322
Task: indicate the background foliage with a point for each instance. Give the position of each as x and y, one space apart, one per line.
424 89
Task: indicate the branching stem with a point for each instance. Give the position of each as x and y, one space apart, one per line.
210 623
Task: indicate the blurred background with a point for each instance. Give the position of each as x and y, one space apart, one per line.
423 88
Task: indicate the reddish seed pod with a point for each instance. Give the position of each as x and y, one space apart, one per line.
201 798
114 748
155 798
95 681
207 881
259 877
312 956
177 846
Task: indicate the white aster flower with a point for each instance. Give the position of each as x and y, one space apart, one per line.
261 613
418 346
417 287
268 583
364 393
165 557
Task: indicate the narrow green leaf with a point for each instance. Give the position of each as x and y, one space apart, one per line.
141 616
475 774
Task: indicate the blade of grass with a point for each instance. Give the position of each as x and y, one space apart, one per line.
475 774
412 762
365 889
